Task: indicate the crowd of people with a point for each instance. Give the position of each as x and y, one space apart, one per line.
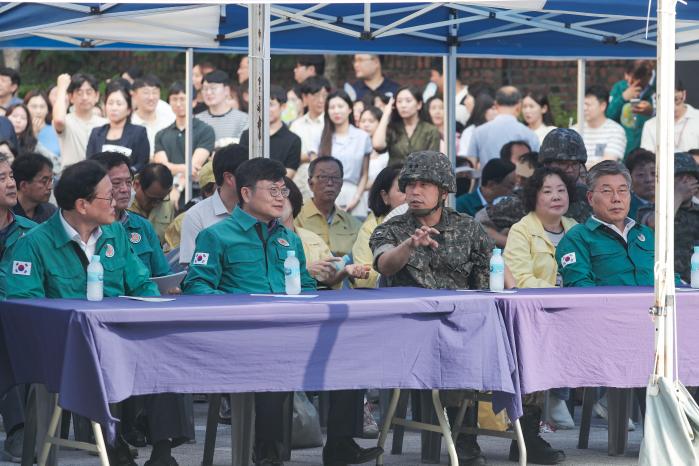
356 185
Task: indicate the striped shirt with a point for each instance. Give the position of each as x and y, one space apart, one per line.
229 125
609 139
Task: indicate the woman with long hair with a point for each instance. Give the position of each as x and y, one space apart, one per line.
483 112
40 109
403 128
536 112
119 134
352 146
21 120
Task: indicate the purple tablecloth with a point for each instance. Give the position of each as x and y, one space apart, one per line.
97 353
587 337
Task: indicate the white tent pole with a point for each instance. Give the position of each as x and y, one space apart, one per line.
664 190
581 95
449 99
189 89
259 57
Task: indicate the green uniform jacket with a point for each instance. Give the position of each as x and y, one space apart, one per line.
47 263
591 254
18 228
469 203
619 110
145 243
240 255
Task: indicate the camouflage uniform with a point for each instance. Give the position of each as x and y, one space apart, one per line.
561 144
462 259
686 220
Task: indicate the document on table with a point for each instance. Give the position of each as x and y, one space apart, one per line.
293 296
168 282
686 290
149 299
490 291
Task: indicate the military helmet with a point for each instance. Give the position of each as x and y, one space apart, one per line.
430 167
562 144
685 163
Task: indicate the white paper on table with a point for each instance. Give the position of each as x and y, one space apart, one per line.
686 290
168 282
489 291
149 299
297 296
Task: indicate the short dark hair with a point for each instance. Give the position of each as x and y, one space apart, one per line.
78 181
533 185
10 145
436 64
176 88
28 165
383 182
257 169
295 196
10 73
325 158
316 61
110 160
375 112
114 87
637 158
506 150
599 92
135 72
149 80
155 172
217 77
277 93
314 84
227 160
78 79
496 170
531 158
508 96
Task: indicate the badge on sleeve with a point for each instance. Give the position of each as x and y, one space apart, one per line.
568 259
641 237
109 251
22 268
283 242
200 258
135 238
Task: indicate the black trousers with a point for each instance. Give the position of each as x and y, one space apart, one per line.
12 407
345 414
169 416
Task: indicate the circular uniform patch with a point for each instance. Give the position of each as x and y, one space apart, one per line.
283 242
641 237
109 251
135 238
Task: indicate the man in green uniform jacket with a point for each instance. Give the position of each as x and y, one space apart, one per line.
142 236
51 261
610 249
12 227
245 253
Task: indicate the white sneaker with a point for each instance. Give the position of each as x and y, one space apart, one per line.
632 426
559 414
600 410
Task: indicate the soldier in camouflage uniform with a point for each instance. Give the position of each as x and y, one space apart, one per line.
686 213
433 246
562 148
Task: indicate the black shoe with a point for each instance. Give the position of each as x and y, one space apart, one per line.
120 456
342 452
539 451
162 461
468 451
136 438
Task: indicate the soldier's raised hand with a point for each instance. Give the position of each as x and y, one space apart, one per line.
422 237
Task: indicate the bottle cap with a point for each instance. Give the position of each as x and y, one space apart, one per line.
497 251
696 248
290 253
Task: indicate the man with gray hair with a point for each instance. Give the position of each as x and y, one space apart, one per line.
609 249
488 139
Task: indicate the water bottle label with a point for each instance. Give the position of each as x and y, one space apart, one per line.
291 271
695 266
497 268
94 277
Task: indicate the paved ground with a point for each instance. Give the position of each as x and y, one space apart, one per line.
495 449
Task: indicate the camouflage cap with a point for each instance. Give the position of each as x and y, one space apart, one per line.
206 174
685 163
562 144
428 166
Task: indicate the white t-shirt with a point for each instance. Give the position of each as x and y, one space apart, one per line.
73 139
686 132
608 139
542 131
164 117
350 149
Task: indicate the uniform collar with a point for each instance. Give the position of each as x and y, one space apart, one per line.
72 233
593 223
307 118
311 210
218 205
247 221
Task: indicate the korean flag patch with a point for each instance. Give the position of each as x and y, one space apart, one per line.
568 259
200 258
22 268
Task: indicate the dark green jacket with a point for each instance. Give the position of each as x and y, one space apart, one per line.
469 203
18 228
145 243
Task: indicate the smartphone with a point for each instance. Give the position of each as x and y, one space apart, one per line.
635 101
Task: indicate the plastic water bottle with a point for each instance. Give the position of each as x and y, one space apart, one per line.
339 265
292 273
695 268
95 280
497 271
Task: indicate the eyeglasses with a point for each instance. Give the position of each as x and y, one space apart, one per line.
609 193
212 89
109 199
329 179
276 192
